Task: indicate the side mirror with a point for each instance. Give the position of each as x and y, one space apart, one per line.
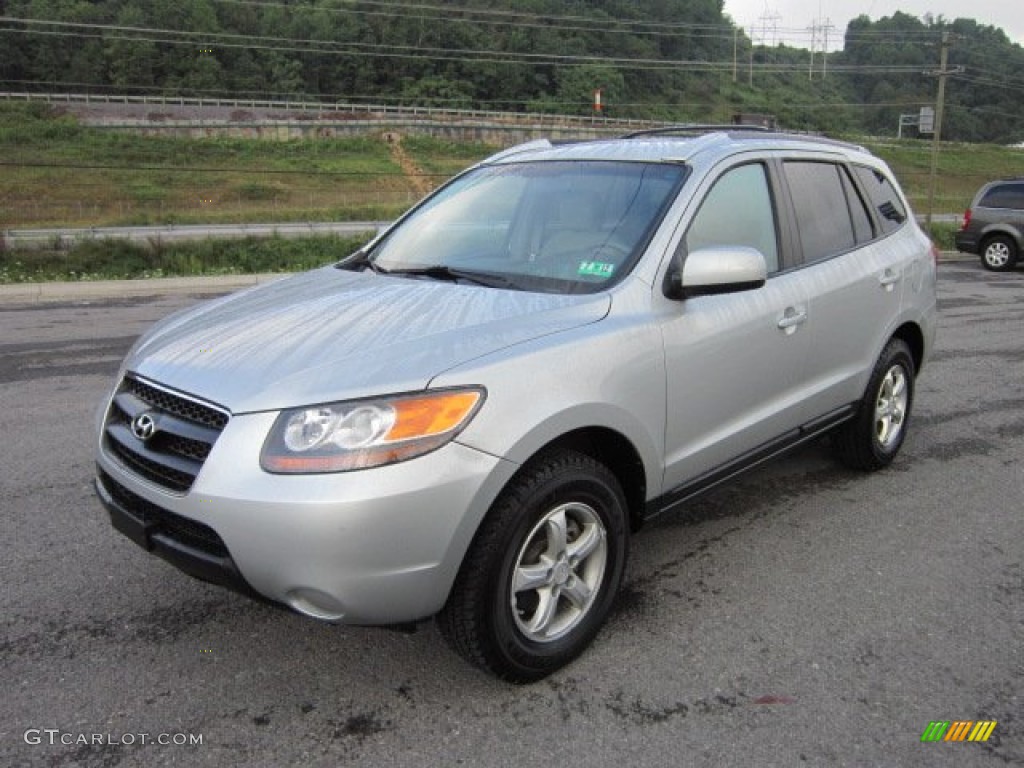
708 271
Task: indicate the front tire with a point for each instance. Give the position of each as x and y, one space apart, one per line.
543 570
874 436
999 253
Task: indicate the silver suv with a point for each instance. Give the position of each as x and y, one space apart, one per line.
993 226
470 415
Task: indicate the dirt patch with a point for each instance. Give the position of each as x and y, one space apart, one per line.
417 178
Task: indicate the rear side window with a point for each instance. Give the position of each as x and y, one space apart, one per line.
1004 196
863 229
821 206
883 197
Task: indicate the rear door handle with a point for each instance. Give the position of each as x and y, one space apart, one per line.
792 318
889 278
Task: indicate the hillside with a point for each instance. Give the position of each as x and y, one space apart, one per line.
675 60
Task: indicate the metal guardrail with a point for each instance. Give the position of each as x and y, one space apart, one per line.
62 237
37 238
321 107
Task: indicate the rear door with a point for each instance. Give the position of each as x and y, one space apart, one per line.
848 221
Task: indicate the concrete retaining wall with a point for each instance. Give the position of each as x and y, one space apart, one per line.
282 130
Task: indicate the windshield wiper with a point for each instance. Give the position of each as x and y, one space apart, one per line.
444 272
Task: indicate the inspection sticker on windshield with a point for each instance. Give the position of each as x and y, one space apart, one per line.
595 269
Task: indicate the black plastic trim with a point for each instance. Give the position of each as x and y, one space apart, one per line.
148 527
749 460
123 436
693 291
176 473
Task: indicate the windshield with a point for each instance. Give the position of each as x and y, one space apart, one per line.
566 226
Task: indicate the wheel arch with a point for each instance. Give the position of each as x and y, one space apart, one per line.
912 335
615 451
1001 230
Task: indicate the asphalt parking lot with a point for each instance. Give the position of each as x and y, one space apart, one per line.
804 615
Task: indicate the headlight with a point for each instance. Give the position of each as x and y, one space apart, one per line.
337 437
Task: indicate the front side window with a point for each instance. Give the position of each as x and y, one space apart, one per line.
559 226
737 211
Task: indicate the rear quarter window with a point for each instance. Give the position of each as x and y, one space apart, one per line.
883 197
1004 196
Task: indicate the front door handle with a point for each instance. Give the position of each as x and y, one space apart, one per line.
791 318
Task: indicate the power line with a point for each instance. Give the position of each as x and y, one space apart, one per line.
378 50
163 36
989 83
296 45
996 76
491 16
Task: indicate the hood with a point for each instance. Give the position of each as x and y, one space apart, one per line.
331 334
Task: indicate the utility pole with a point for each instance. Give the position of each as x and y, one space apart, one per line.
753 32
735 48
940 102
764 19
774 19
824 59
814 42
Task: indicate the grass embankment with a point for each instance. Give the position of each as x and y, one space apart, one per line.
57 173
117 259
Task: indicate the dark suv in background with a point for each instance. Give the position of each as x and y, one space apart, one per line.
993 226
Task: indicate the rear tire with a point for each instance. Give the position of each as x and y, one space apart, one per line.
999 253
543 570
873 437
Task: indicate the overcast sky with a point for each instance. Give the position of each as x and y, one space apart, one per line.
788 20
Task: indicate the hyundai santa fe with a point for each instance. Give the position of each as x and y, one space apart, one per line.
469 416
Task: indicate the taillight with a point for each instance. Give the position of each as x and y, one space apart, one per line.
935 255
967 219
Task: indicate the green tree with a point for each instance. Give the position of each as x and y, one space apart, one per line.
130 62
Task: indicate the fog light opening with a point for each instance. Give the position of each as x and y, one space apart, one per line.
314 603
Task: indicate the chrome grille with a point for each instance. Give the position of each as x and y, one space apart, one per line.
183 434
190 410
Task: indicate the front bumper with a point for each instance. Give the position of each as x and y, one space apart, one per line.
376 546
190 546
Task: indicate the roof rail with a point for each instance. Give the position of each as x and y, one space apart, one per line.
529 146
696 128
